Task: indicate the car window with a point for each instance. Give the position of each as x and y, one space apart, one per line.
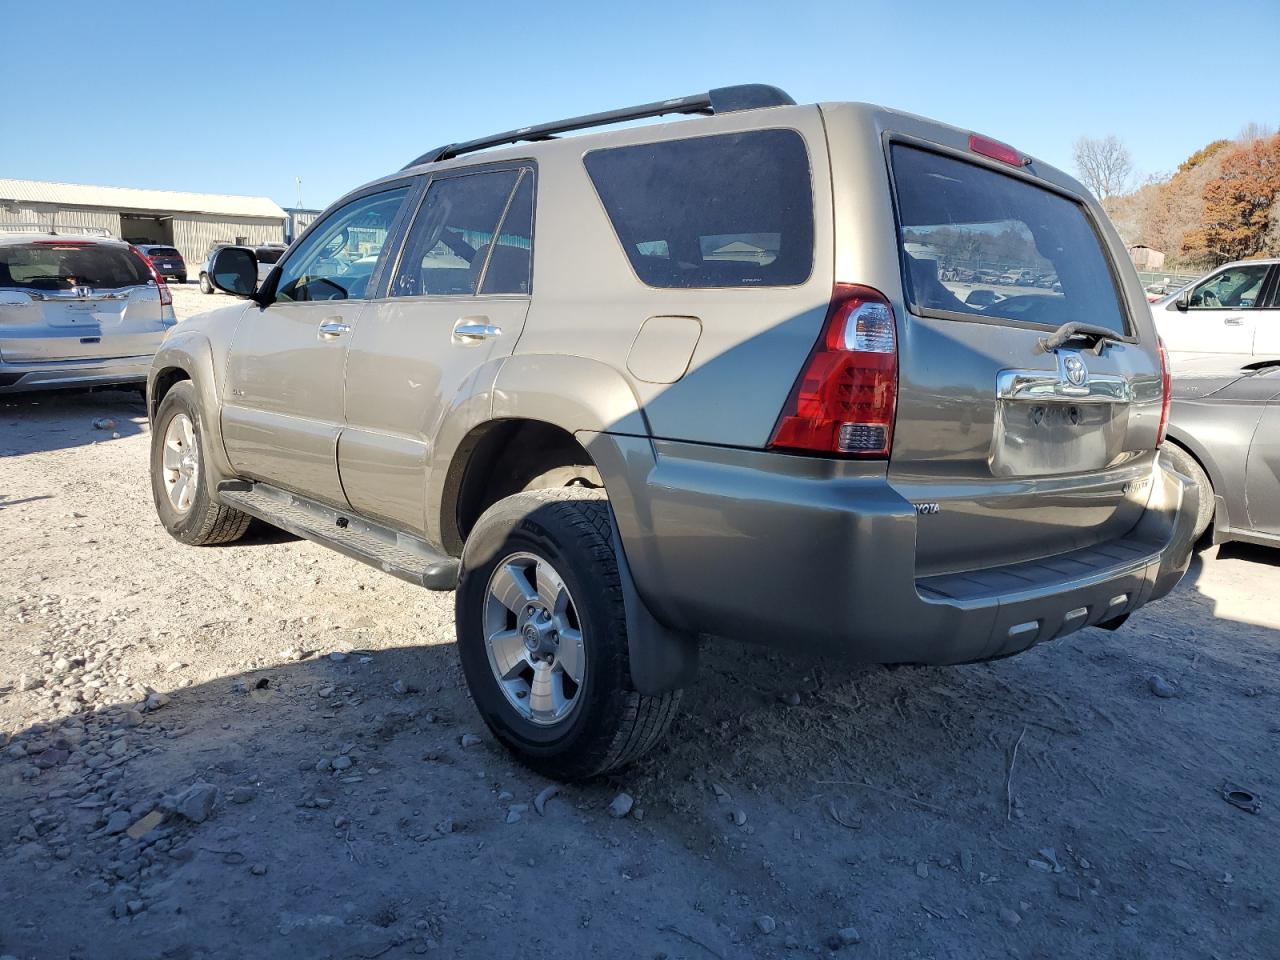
1237 288
730 210
976 241
269 254
511 260
451 237
50 265
162 252
337 260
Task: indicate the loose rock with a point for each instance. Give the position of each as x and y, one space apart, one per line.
621 805
1161 687
195 803
766 923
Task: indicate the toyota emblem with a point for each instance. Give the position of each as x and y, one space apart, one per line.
1077 372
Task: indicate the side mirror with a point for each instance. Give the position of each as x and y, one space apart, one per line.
1183 301
235 271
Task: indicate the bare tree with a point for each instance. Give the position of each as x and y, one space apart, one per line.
1104 164
1253 130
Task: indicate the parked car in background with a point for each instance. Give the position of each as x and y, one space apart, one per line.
167 261
1224 433
77 311
724 397
1233 310
266 254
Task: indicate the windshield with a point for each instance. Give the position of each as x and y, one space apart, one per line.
50 265
978 242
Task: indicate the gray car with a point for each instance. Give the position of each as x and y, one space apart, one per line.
1224 433
77 311
630 388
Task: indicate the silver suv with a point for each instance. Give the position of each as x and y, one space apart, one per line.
630 388
77 311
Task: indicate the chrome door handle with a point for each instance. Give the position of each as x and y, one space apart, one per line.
1233 322
332 329
474 329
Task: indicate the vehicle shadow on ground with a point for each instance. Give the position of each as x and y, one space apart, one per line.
363 810
37 422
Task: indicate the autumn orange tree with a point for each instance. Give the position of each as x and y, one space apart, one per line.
1239 205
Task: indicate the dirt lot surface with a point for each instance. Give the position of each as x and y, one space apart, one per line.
267 750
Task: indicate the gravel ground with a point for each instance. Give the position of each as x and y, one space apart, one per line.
267 750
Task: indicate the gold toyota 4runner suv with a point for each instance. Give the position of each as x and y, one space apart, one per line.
823 376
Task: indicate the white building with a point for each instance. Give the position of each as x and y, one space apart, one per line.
192 222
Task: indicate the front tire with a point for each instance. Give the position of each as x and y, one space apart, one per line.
1181 461
205 285
179 484
542 636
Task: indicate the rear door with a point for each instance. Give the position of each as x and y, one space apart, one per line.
70 299
1011 450
1266 323
455 304
1220 314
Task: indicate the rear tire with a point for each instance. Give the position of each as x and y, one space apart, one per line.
181 278
567 534
205 285
1181 461
189 513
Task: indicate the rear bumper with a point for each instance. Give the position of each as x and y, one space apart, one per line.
71 374
802 553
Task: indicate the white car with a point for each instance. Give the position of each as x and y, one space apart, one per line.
1234 310
77 311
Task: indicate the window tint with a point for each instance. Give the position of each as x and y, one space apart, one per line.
337 260
1235 289
979 242
269 254
512 254
449 241
724 211
162 252
53 266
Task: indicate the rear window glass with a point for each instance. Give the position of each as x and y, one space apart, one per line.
980 242
54 266
731 210
162 252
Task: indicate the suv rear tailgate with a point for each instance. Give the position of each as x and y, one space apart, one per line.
1006 457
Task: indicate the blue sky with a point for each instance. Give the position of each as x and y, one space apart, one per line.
233 97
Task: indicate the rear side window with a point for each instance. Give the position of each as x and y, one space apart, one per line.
982 243
269 254
451 237
731 210
52 266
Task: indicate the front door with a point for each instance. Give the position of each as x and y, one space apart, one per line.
1262 472
283 393
1219 316
454 307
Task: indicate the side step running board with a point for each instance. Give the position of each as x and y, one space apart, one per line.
398 554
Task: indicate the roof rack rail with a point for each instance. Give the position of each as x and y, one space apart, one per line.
746 96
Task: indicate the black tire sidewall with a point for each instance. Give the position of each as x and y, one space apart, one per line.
509 528
181 398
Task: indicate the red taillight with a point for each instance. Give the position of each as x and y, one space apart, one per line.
166 297
843 402
996 150
1166 383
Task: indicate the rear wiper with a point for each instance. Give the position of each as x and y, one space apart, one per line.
1072 331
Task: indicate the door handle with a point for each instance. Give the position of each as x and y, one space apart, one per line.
332 329
474 329
1233 322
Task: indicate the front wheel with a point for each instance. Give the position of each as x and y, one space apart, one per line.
1186 465
542 636
205 285
178 482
